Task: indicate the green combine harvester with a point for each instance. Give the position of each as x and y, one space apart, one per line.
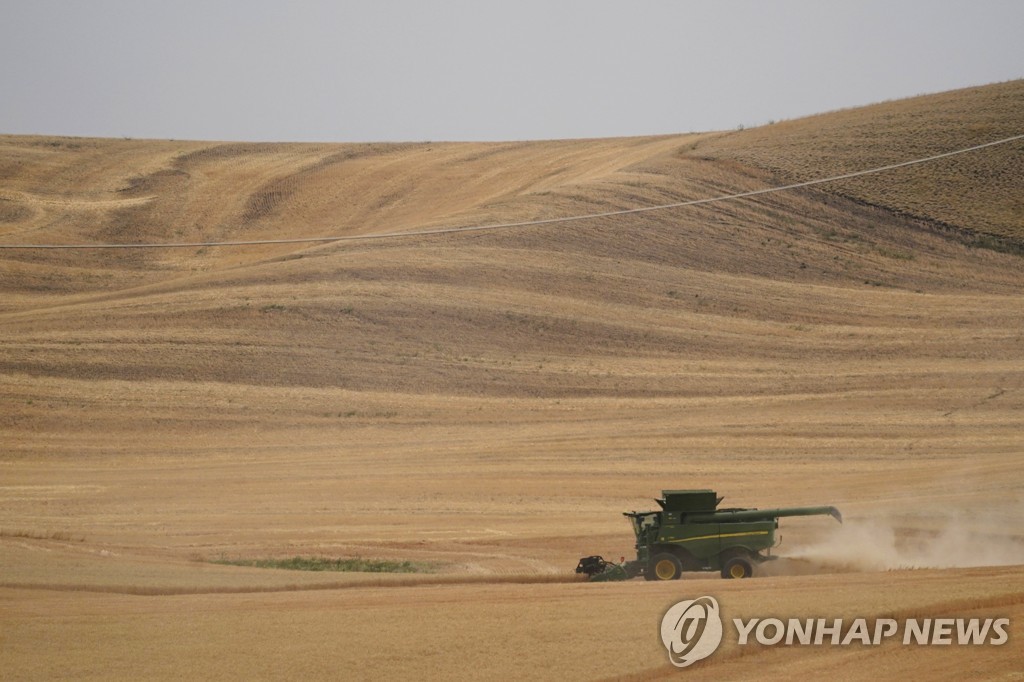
690 533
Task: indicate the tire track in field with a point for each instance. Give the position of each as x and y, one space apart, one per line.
147 591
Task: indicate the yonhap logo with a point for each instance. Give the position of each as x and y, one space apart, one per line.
691 630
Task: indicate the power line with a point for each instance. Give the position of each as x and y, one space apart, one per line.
525 223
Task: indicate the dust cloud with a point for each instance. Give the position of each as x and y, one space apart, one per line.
943 541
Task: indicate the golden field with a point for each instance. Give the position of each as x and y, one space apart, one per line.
487 403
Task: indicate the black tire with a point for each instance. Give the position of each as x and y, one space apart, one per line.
664 566
737 567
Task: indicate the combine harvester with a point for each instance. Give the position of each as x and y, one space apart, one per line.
690 533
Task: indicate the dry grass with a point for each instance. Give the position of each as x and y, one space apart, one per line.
479 631
490 402
39 535
330 564
981 193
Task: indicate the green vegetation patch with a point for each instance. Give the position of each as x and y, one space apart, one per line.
356 565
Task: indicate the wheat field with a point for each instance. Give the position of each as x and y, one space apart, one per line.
485 404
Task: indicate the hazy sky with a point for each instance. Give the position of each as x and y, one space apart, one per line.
479 69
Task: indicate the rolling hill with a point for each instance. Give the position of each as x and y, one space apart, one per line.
487 402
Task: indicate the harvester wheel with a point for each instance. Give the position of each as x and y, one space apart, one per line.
737 567
664 566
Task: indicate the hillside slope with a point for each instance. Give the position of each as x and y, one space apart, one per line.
487 403
603 306
979 195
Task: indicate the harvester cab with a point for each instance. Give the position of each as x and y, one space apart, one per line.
690 533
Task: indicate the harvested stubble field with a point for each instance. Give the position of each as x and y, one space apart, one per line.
486 403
